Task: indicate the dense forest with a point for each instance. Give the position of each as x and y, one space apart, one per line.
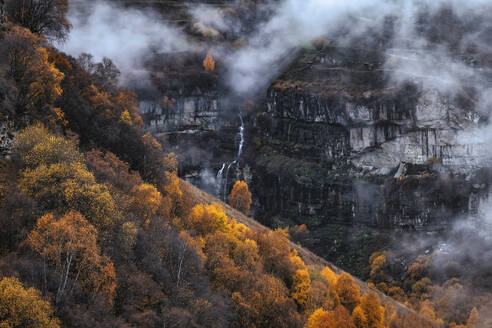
97 230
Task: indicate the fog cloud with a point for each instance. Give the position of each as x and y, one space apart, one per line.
124 35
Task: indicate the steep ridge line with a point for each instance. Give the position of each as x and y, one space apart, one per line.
199 196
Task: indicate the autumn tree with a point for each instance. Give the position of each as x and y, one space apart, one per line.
21 307
278 257
37 79
338 318
173 195
419 268
348 291
473 318
320 319
146 201
125 118
46 17
47 150
209 63
323 294
240 197
378 263
359 317
110 170
369 313
266 304
330 276
301 289
57 177
206 219
156 165
70 186
70 245
247 254
427 310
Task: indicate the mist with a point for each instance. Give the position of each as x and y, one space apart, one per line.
126 36
296 24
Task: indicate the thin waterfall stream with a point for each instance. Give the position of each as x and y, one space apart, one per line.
221 182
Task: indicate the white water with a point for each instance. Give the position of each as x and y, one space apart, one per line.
218 180
238 155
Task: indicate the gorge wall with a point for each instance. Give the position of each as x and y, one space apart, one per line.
336 143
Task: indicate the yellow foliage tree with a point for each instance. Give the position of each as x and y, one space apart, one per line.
206 219
53 150
240 197
359 317
27 138
348 291
373 312
126 118
330 276
146 201
246 254
173 195
36 145
70 186
209 63
338 318
301 289
320 319
20 307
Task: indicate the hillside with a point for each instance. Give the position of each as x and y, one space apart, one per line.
137 136
309 257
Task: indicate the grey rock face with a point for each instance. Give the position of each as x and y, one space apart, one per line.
196 112
380 158
382 134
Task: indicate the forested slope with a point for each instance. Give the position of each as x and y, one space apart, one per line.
97 230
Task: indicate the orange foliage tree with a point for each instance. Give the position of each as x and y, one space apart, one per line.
36 77
339 318
146 201
369 313
209 63
70 245
240 197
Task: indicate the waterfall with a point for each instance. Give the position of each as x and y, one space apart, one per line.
241 134
218 181
239 152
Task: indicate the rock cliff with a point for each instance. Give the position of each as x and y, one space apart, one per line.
338 143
